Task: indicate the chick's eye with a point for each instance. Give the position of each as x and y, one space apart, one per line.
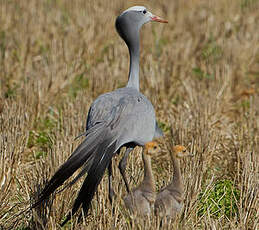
144 11
184 150
155 147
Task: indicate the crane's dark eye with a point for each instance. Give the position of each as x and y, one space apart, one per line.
144 11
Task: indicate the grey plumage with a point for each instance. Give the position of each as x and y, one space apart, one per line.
123 117
124 125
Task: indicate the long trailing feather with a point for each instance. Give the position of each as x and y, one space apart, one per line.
85 169
83 154
106 151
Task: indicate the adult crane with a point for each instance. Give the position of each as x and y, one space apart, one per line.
124 117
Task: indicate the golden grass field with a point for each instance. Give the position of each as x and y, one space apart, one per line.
201 72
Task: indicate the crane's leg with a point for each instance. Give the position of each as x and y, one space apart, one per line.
111 191
122 166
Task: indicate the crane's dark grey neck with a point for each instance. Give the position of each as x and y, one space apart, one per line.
133 80
128 29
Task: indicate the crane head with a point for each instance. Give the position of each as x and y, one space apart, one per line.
143 15
180 151
129 22
151 148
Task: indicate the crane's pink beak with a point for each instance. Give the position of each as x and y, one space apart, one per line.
158 19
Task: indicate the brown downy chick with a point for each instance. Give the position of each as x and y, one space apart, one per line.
142 198
169 200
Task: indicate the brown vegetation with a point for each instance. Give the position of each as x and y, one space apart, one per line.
200 71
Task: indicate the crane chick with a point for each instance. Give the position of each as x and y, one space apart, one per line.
169 200
142 198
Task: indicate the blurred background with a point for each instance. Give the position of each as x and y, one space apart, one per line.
201 72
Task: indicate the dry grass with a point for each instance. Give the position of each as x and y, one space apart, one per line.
200 71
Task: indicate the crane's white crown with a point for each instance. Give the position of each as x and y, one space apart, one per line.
144 16
135 8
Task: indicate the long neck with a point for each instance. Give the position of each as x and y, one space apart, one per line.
148 182
133 80
176 182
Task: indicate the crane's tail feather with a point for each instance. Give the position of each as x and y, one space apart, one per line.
82 155
105 153
84 170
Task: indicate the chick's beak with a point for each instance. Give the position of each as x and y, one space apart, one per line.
158 19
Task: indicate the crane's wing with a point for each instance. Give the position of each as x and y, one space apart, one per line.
112 124
101 108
